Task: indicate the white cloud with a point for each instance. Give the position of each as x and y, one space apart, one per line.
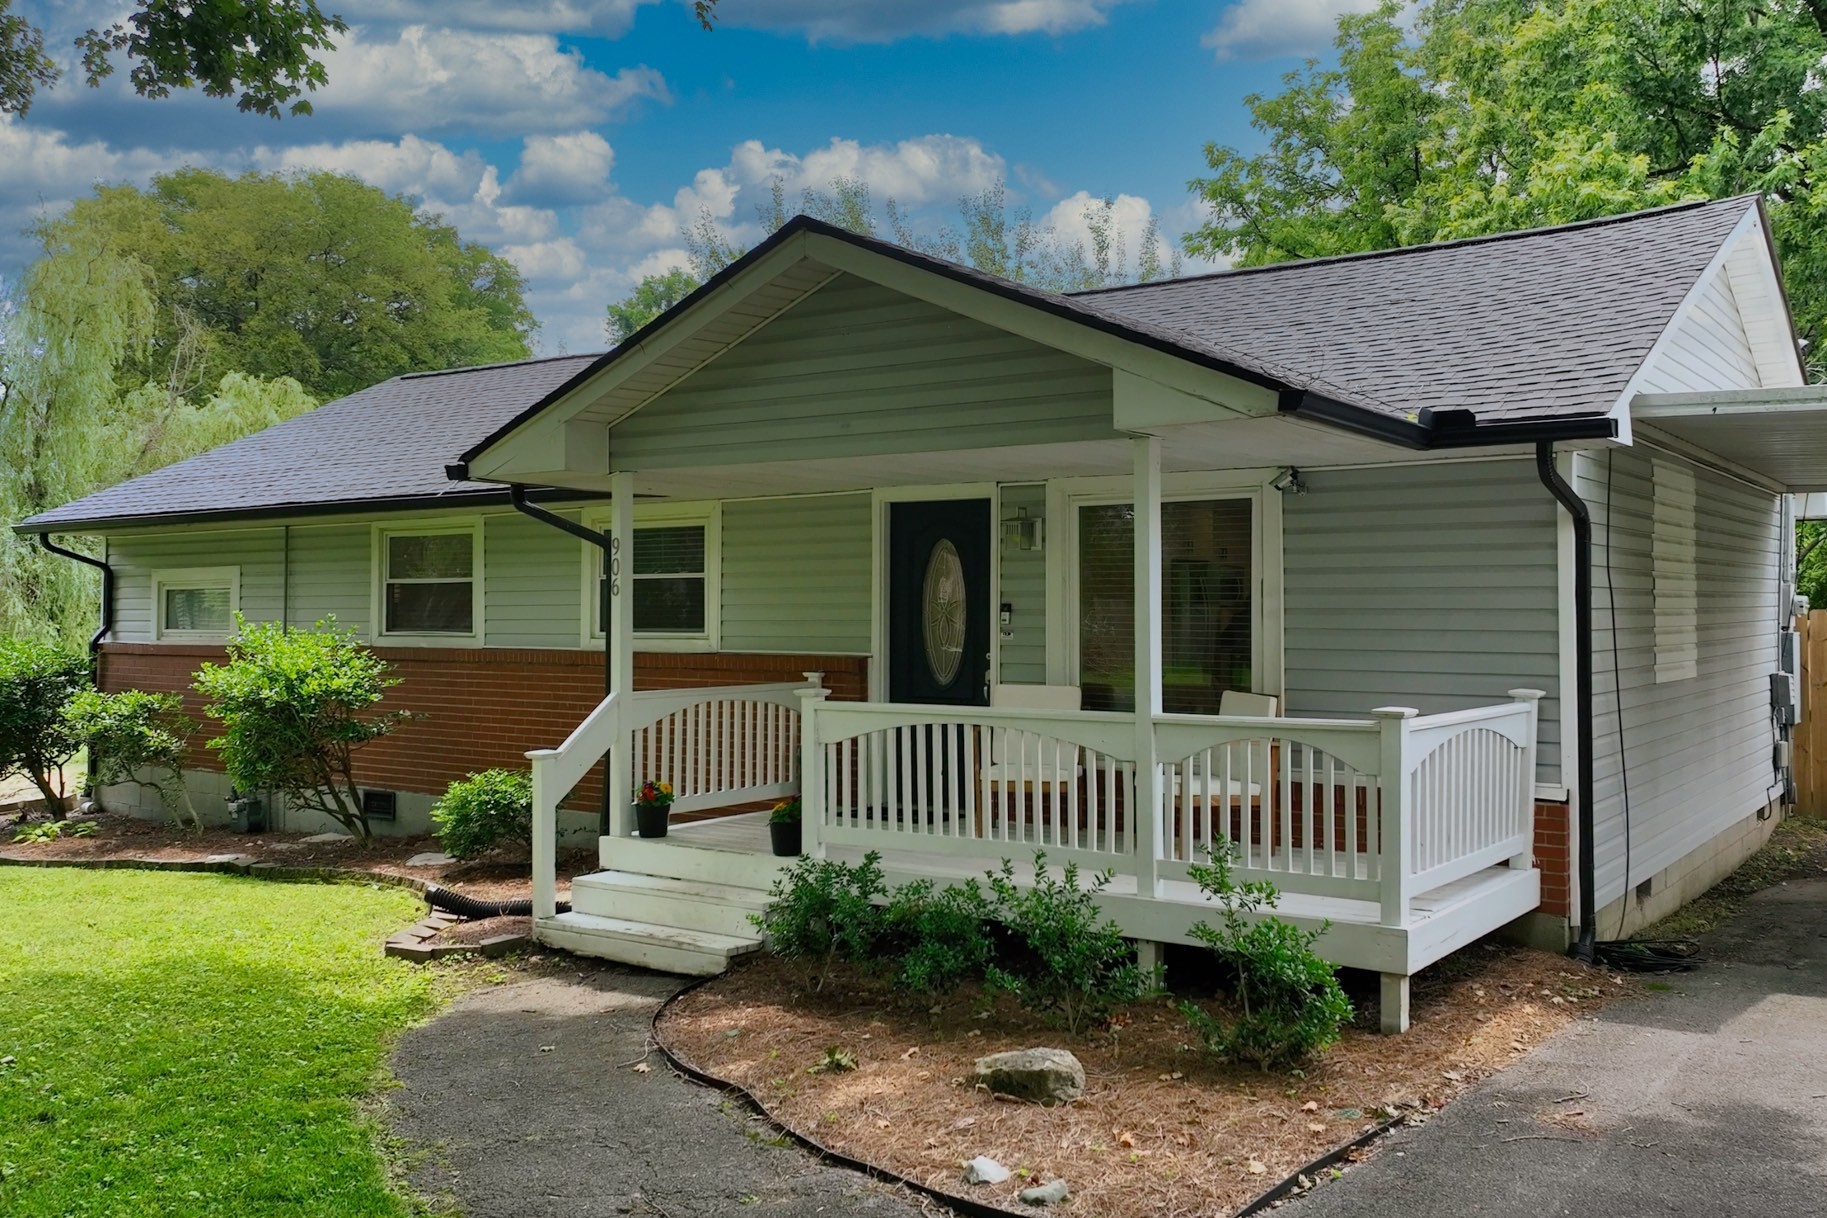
556 169
607 18
1129 217
887 20
1264 29
427 79
46 171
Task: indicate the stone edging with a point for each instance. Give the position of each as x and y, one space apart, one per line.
408 944
1297 1181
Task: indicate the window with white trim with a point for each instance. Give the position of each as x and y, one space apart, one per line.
673 577
430 580
196 603
1676 585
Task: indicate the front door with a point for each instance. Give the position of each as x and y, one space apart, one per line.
939 601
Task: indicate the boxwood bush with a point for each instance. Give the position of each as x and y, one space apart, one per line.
484 811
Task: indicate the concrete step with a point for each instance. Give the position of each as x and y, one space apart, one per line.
668 949
691 905
664 856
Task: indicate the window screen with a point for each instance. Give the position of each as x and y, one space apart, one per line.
669 580
1206 603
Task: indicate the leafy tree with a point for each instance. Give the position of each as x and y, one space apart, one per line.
317 277
1483 116
37 680
651 297
140 737
265 51
295 704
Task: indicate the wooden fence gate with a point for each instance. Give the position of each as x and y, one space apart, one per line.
1811 732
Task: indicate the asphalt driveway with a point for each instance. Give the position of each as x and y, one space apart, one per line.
1707 1098
524 1102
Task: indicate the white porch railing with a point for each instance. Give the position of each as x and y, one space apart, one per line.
1382 809
719 746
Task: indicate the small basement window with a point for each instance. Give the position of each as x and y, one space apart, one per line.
429 581
198 603
1676 585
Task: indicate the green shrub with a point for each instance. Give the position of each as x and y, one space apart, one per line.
36 681
942 936
483 811
295 704
822 911
133 733
1290 1004
51 830
1061 956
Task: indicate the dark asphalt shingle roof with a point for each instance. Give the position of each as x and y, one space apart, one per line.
1550 323
388 442
1538 324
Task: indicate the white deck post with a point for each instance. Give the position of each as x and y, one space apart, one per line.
811 769
618 644
1525 859
545 835
1397 787
1147 454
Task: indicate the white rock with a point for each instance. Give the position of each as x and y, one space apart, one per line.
228 858
431 858
317 838
985 1170
1051 1193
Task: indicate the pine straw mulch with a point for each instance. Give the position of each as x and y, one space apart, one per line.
125 837
1160 1131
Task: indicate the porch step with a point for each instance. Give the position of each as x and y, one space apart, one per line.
682 857
722 909
669 949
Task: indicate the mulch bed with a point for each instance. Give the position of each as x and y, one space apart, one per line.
1160 1131
124 837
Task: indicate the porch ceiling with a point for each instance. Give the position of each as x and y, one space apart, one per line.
1780 434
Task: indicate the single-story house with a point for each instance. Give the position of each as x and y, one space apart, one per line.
1450 585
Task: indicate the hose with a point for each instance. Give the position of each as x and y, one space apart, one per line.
1648 955
451 901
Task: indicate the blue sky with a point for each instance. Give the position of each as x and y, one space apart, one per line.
577 137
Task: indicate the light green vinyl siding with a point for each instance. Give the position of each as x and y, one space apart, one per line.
1696 752
137 557
1024 590
1427 586
332 574
858 370
797 574
532 589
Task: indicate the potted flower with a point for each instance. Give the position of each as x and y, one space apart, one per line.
783 828
651 803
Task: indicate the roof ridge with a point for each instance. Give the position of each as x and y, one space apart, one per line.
508 363
1397 251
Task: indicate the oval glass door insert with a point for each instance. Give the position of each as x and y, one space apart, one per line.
942 612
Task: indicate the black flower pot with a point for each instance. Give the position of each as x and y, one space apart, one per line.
785 837
649 822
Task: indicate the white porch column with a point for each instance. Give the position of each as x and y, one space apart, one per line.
618 645
811 769
1397 787
545 834
1147 453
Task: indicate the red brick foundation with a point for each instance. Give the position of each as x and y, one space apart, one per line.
484 707
1551 857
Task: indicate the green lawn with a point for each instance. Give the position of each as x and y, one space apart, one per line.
195 1044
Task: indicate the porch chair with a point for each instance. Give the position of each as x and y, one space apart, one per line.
1244 796
1013 776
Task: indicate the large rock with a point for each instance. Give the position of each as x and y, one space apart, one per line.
1044 1076
1051 1193
985 1170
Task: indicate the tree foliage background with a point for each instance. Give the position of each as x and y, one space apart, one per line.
1467 117
162 322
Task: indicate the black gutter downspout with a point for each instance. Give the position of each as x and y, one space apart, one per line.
107 618
517 495
1582 697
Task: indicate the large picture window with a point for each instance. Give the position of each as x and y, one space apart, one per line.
199 603
428 581
1207 605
